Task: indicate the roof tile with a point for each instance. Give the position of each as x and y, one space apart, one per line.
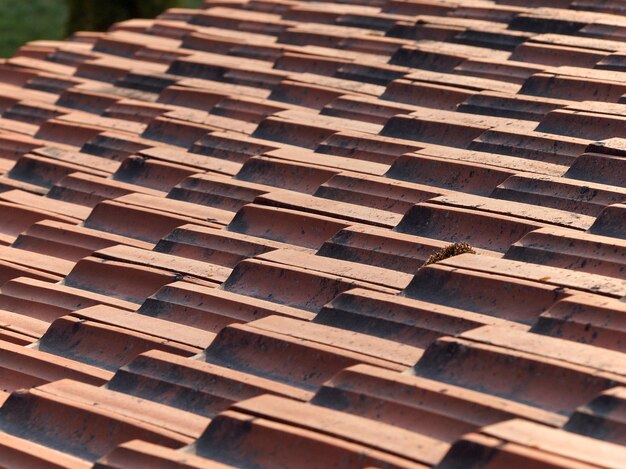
216 222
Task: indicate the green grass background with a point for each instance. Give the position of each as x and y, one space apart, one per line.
27 20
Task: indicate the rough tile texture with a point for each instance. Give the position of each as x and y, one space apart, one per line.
215 228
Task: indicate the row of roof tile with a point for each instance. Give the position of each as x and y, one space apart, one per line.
215 225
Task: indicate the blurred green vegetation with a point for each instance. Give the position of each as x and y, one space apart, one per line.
28 20
22 21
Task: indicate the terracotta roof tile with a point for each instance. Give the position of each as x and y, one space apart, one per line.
199 387
498 445
321 206
455 287
27 453
417 403
585 318
496 369
215 225
47 301
382 248
138 453
610 221
596 167
128 416
327 449
454 224
597 420
110 345
531 144
24 367
594 283
405 320
560 248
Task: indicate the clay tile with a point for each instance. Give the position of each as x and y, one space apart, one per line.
229 236
446 173
86 100
20 329
135 454
158 175
581 124
109 68
601 418
495 103
86 161
548 20
315 288
530 144
571 250
89 190
454 224
511 163
46 172
591 319
175 132
19 217
104 413
610 222
376 192
554 85
290 226
290 175
186 267
48 264
128 43
435 127
200 387
365 108
216 190
333 163
456 288
554 54
517 209
318 351
599 168
251 434
24 367
109 346
233 147
382 248
375 148
68 210
375 435
209 308
586 198
201 162
401 319
592 283
319 206
349 270
419 404
116 217
216 246
557 442
23 452
426 94
216 67
489 365
441 56
46 301
476 450
292 132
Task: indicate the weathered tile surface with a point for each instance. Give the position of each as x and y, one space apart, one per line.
214 227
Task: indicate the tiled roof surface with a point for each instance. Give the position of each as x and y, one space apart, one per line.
214 224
